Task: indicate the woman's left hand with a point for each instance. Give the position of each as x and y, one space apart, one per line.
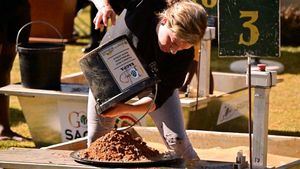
103 15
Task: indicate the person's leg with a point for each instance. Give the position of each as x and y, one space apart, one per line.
21 15
7 56
169 121
97 126
80 5
96 35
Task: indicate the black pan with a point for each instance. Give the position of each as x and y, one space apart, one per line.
166 161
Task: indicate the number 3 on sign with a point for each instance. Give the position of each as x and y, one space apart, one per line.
205 3
212 3
254 33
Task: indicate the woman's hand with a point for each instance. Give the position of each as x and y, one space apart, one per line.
117 110
140 106
104 14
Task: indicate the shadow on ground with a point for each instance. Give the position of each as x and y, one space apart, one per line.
16 116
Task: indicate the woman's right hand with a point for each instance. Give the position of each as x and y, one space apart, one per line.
117 110
140 106
104 14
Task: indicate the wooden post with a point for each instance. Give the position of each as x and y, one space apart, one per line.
204 66
203 58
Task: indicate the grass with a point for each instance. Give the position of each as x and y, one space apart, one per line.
284 116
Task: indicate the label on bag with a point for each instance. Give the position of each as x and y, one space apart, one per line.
123 64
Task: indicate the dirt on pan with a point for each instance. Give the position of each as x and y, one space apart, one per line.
120 146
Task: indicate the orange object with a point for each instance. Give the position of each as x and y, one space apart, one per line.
59 13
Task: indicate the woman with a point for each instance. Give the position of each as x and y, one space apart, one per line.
164 32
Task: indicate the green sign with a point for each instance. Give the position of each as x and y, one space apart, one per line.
209 5
249 27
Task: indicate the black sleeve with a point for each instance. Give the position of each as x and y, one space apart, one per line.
172 73
119 5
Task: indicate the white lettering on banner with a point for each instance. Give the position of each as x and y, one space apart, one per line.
232 109
74 134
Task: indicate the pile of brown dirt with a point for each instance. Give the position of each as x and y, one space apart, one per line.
120 146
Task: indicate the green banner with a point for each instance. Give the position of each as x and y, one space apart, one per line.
249 27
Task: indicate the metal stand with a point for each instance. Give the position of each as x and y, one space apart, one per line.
262 81
250 110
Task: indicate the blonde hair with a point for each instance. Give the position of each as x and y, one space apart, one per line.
187 19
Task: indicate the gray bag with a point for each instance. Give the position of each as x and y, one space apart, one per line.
115 74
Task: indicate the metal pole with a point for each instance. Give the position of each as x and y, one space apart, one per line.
250 110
